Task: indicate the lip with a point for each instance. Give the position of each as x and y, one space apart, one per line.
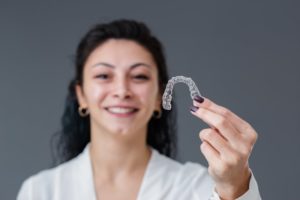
121 106
122 115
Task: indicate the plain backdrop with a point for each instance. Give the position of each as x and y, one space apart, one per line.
243 55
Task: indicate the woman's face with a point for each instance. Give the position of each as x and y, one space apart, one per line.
120 87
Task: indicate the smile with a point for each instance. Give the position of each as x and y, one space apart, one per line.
121 110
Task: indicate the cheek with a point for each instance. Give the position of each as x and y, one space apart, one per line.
148 94
95 93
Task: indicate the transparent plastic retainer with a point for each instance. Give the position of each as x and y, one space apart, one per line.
167 96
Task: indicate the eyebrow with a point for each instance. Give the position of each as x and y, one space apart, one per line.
112 66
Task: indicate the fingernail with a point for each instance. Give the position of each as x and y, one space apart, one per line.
199 99
194 108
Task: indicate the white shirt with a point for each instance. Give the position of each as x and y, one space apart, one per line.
164 179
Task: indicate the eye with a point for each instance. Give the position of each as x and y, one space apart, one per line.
102 76
141 77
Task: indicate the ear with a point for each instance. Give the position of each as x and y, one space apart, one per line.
80 96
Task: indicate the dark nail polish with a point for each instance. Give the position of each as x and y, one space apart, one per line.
194 108
199 99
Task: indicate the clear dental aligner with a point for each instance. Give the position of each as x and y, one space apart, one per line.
167 96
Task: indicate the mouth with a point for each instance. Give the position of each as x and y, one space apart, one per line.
121 111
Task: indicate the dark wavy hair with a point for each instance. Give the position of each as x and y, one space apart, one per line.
75 133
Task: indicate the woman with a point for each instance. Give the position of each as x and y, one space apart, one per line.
117 142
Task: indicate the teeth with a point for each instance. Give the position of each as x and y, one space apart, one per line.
121 110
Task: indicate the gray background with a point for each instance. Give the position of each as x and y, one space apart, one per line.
243 55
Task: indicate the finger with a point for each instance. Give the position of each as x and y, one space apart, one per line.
226 157
243 127
211 155
218 122
217 141
238 122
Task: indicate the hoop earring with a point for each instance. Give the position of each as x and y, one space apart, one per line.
83 112
157 114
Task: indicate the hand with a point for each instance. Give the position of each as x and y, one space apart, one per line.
226 145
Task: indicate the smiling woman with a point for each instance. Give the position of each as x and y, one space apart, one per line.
122 94
103 70
116 140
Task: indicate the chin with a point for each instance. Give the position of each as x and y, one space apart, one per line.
125 131
120 131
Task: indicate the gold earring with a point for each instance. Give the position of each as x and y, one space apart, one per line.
157 114
83 112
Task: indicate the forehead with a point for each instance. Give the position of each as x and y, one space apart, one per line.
120 52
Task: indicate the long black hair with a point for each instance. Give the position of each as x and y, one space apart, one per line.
75 133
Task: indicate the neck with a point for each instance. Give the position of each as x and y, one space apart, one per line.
114 154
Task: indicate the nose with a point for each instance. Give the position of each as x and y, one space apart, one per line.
122 90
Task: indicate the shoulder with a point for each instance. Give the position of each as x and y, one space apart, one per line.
48 176
46 183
